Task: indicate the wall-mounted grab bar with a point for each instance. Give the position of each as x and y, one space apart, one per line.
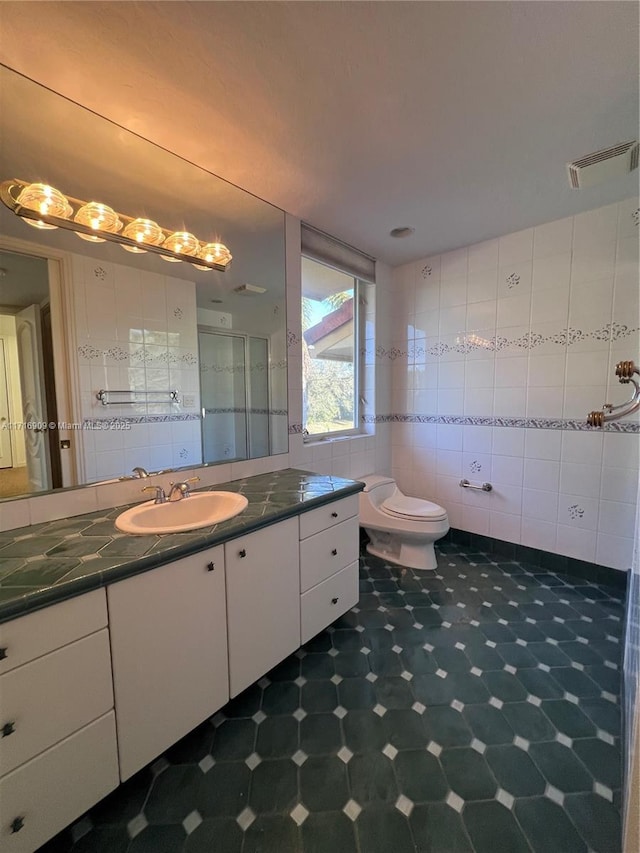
485 487
609 412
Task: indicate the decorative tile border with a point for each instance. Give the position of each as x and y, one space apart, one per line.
113 422
240 410
520 423
470 342
137 354
296 429
258 367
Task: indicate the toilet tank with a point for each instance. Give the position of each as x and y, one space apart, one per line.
377 488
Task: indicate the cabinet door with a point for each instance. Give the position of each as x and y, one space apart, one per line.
169 650
263 601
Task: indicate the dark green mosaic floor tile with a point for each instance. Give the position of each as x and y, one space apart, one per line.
568 718
597 821
104 839
560 767
193 747
492 827
488 724
234 739
386 663
433 690
452 660
328 832
316 697
351 664
127 801
274 786
527 632
346 641
605 678
528 722
215 835
518 656
363 731
468 774
437 828
320 734
514 771
498 633
379 639
580 653
575 682
547 826
159 839
556 630
313 667
287 670
468 688
281 697
246 704
419 776
172 794
371 779
224 790
505 686
277 737
483 657
604 714
323 784
382 828
446 726
405 729
371 618
393 692
321 642
418 661
272 834
539 683
601 759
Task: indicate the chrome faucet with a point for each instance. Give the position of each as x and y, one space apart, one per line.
139 473
161 498
182 490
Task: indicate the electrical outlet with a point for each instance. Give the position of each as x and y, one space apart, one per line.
189 401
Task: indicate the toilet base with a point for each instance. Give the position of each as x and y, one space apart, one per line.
421 557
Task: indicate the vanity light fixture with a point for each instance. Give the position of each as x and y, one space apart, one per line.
43 206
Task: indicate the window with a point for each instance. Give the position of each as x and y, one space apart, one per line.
330 350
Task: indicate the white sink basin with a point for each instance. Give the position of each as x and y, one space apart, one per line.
200 510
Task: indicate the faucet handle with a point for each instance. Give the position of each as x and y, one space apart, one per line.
160 495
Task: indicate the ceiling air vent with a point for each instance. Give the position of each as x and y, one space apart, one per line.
604 164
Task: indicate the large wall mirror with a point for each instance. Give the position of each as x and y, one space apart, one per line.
113 359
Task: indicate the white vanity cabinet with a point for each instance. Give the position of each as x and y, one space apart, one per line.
58 753
169 649
329 543
263 601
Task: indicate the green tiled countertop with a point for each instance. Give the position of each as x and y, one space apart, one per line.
47 563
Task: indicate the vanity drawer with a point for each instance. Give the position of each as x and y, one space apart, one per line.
327 516
325 553
28 637
50 698
323 604
57 787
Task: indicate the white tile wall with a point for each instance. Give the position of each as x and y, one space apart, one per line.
567 492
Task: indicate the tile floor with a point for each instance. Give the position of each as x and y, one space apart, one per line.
472 709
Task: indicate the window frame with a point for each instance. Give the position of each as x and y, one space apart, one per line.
358 363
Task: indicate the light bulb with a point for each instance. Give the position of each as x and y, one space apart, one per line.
99 217
45 200
182 243
214 253
143 231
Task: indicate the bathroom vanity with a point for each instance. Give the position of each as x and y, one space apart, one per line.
102 671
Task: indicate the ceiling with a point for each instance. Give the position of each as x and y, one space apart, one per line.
454 118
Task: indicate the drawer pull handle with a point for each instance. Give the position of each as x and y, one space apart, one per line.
8 729
210 567
16 824
334 600
242 553
334 515
3 653
335 552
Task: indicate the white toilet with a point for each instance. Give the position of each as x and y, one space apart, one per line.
401 529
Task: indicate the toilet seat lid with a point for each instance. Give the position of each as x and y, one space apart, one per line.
403 506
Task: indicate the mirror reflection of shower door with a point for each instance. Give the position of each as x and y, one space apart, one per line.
6 455
223 396
234 388
258 397
29 340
